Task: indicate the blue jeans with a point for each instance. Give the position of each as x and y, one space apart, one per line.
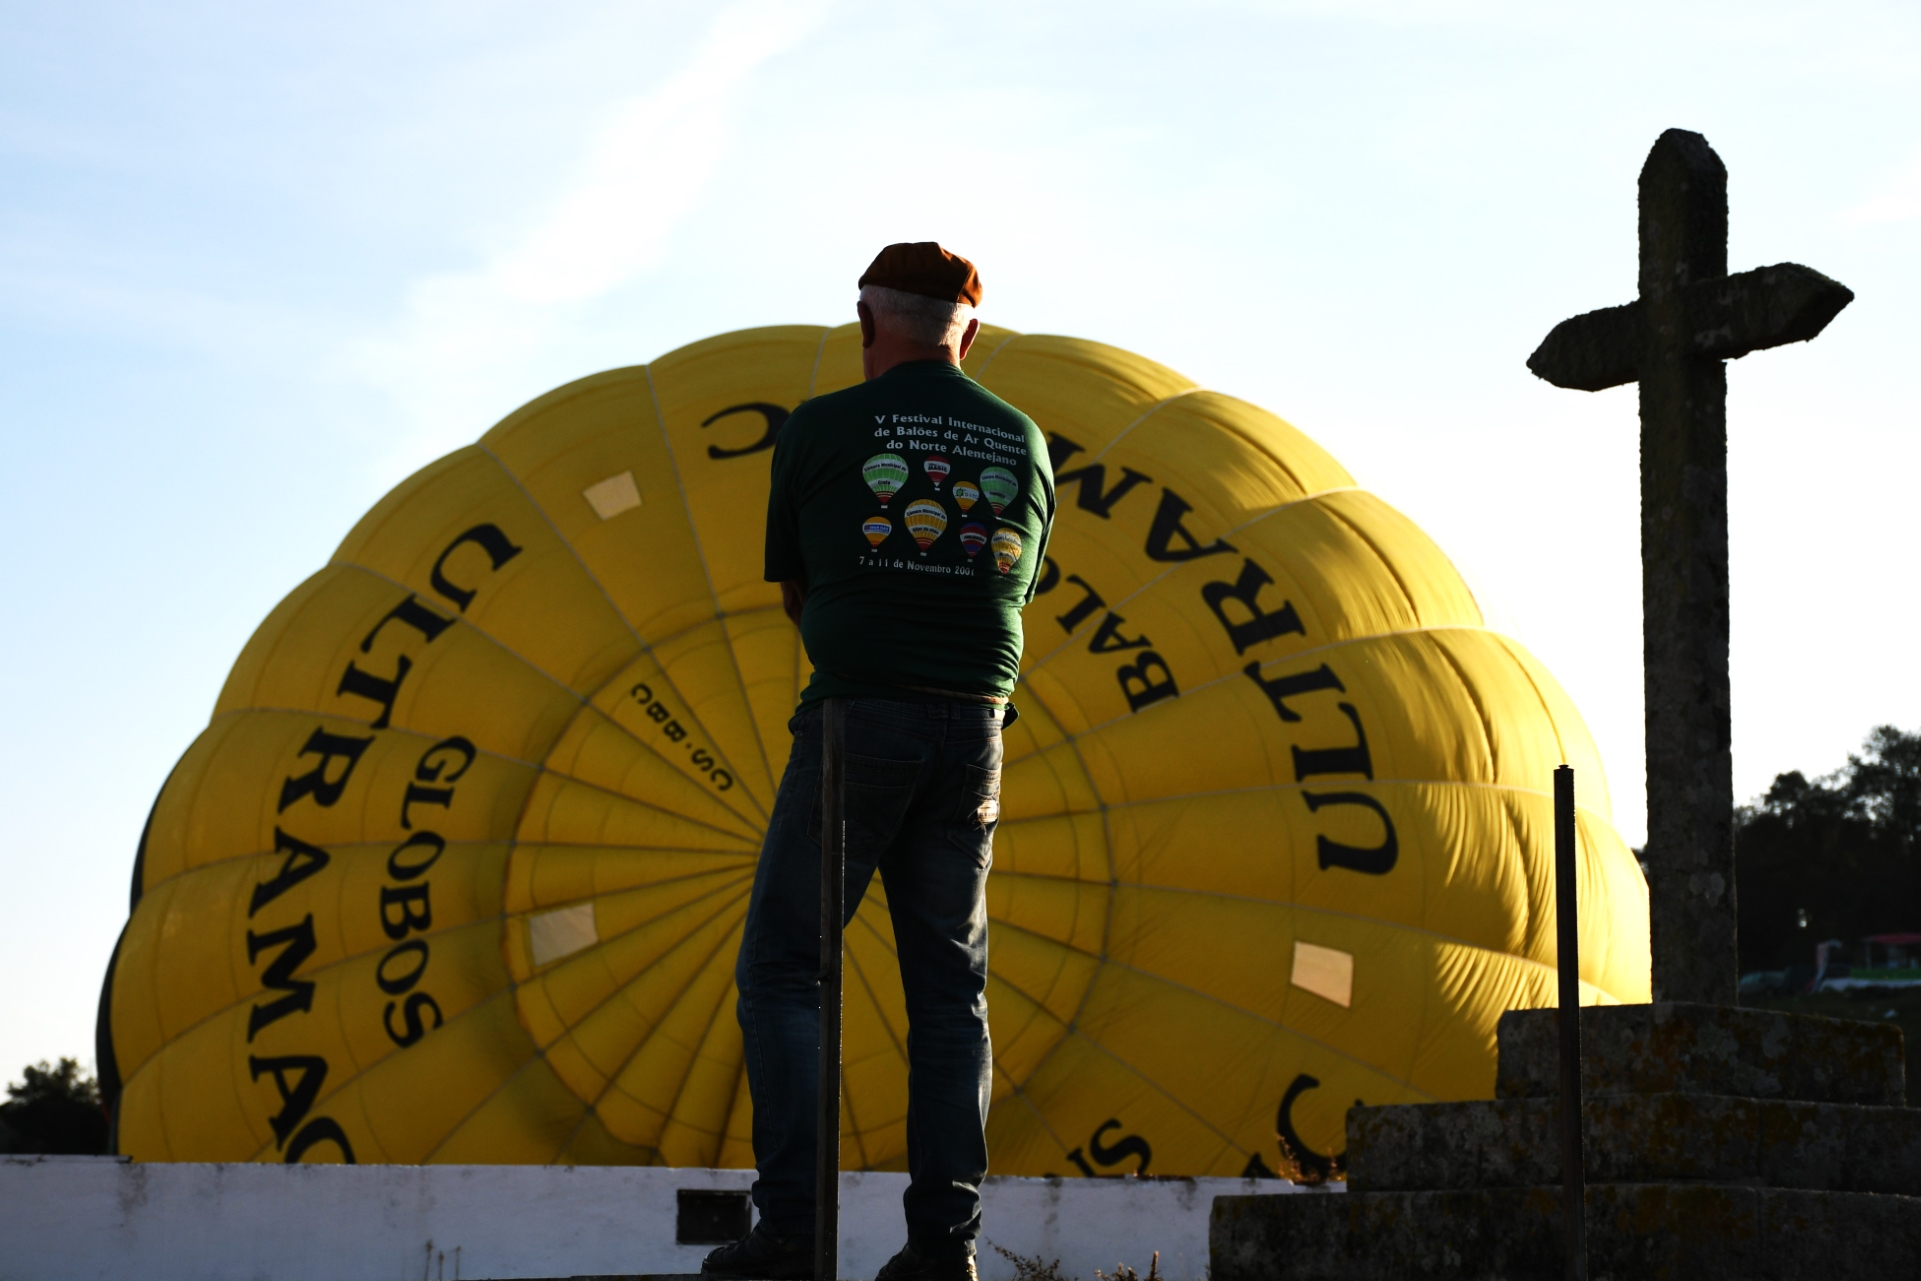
922 801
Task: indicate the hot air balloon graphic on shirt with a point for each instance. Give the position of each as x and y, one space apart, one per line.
925 521
1007 548
877 528
1000 487
966 493
973 537
936 468
884 474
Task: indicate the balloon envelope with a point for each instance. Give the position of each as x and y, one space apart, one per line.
925 521
884 474
457 871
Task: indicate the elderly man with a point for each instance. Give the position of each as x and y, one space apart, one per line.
907 525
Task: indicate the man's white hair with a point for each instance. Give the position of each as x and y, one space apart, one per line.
915 317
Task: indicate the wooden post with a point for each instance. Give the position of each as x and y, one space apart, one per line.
833 894
1568 960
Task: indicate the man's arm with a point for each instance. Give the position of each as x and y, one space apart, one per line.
783 562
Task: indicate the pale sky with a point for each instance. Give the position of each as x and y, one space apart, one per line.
259 262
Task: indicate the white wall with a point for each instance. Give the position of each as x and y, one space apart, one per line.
100 1217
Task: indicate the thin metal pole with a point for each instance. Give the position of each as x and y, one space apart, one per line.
833 891
1568 947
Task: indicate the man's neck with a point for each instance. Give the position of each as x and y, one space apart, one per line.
885 355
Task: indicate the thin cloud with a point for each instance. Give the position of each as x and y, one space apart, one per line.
466 343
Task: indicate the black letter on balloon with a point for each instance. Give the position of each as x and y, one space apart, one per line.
375 689
411 1012
394 986
1089 603
1151 690
407 871
413 614
1352 759
1168 526
429 771
418 795
1282 688
499 548
1059 450
1130 1145
416 909
322 1129
295 1103
297 942
314 783
302 861
1050 577
1092 478
1312 1164
1260 625
1377 860
1108 638
773 415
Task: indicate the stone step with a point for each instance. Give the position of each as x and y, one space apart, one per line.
1638 1139
1672 1047
1636 1232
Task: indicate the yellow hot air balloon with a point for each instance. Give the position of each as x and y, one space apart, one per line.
925 521
1007 548
457 870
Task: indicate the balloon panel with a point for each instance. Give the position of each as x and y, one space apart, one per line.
458 870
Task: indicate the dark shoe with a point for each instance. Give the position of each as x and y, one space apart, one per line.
762 1256
909 1265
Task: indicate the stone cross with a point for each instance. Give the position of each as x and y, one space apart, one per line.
1691 317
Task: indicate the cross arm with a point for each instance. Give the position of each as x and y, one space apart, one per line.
1721 319
1762 308
1592 351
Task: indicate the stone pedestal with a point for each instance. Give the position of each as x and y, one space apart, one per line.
1720 1142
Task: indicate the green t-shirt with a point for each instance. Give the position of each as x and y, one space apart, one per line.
916 507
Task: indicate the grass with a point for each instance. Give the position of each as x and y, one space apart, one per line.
1039 1269
1034 1269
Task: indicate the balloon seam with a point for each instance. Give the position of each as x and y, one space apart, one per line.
1159 577
993 355
613 1076
706 1034
1296 655
1146 414
584 700
625 622
733 658
813 373
498 918
1481 719
537 771
1413 608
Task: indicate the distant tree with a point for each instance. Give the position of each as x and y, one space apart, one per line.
1832 857
57 1111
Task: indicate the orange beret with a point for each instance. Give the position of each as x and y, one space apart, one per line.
924 268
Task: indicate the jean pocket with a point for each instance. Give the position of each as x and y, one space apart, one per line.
980 810
875 795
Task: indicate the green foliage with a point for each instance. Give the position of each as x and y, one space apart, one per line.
1122 1272
1036 1268
55 1111
1845 849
